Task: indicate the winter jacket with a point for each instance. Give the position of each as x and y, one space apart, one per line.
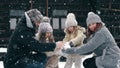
76 37
104 46
23 45
53 58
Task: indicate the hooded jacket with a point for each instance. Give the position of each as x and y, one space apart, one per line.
23 45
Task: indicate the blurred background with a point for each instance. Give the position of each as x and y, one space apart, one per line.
12 10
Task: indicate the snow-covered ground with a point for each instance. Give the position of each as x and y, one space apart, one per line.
3 49
1 64
61 64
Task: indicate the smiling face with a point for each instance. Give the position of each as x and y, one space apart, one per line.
92 26
48 34
70 29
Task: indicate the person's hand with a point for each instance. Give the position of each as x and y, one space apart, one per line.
58 48
66 46
59 45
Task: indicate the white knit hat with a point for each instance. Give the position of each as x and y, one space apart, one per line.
45 26
93 18
71 20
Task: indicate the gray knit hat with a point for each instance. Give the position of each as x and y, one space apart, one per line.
71 20
93 18
35 15
46 19
45 26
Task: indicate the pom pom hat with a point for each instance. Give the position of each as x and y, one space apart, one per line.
71 20
45 26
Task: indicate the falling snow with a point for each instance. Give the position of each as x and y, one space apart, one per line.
33 52
21 36
103 5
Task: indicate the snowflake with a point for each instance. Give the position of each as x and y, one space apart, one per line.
2 40
103 5
24 54
15 46
114 14
33 52
28 45
23 46
16 62
41 63
10 59
21 36
115 18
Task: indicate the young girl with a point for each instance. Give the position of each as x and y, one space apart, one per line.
101 42
45 35
75 36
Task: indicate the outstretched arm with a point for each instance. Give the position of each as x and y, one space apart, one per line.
27 40
89 47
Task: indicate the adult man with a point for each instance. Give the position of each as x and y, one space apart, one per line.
23 50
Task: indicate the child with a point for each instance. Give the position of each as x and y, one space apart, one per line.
101 42
45 35
75 36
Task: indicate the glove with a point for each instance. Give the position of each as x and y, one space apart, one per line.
59 45
66 46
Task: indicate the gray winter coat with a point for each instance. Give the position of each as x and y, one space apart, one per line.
104 46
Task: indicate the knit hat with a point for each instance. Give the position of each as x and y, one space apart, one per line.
35 15
93 18
45 26
71 20
46 19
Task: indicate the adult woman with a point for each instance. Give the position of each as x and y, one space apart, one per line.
101 42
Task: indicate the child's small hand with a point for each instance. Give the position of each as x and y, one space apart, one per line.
66 45
59 44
